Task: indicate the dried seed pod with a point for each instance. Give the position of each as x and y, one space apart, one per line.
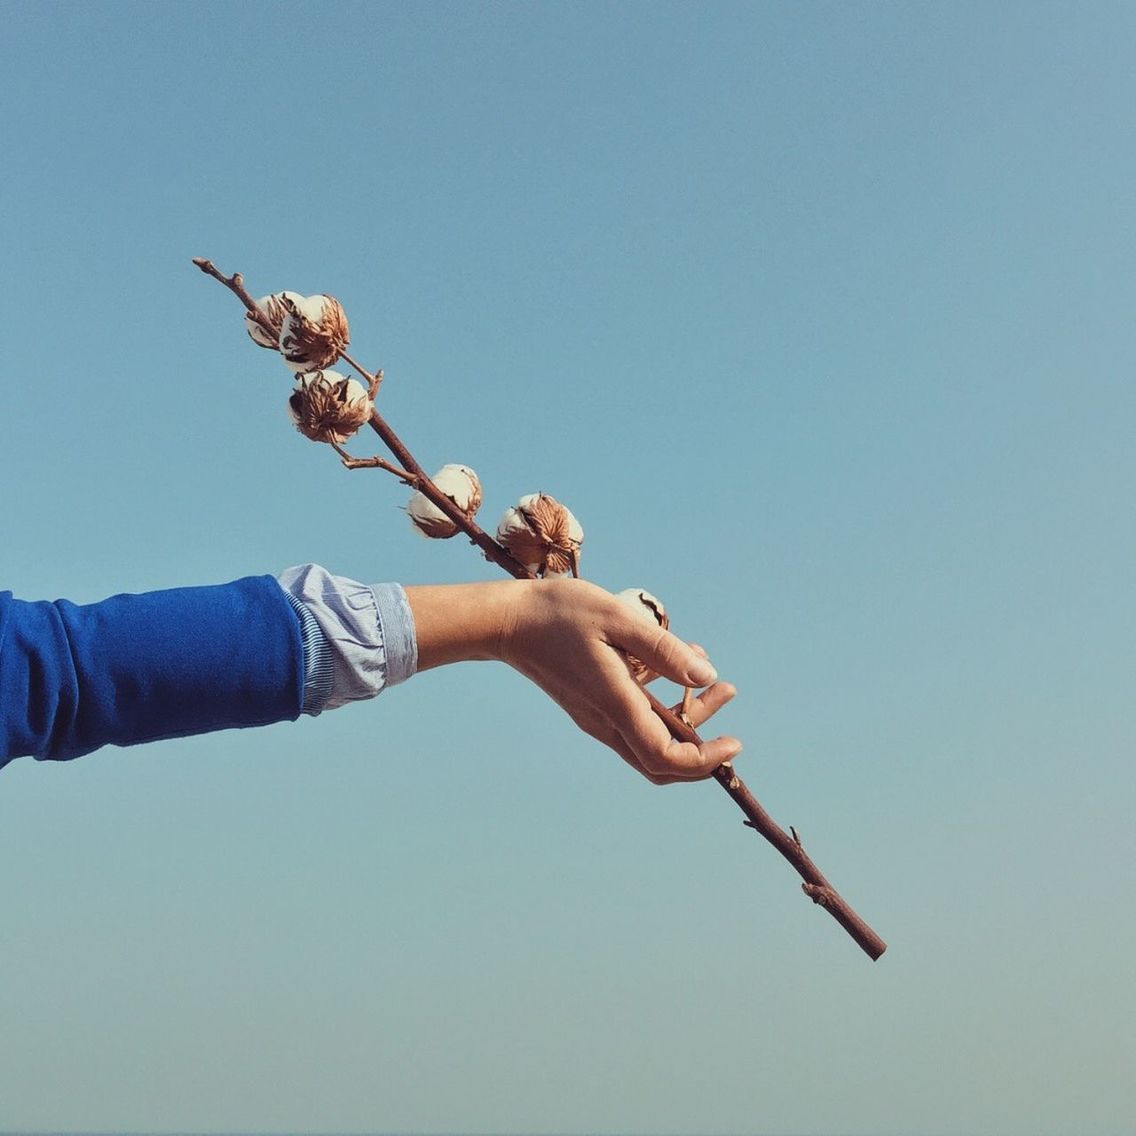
313 332
542 534
327 406
649 608
460 484
274 309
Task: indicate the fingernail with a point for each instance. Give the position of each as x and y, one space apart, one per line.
703 673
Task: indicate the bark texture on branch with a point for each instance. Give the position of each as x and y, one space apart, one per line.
408 470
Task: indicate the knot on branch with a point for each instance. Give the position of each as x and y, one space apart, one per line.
727 778
822 895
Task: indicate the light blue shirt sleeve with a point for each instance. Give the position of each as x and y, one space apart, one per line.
358 638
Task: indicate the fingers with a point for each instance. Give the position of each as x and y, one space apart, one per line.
664 653
613 740
618 714
672 767
573 642
705 705
651 743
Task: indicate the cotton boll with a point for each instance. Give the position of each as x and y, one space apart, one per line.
542 534
650 609
313 332
274 309
645 605
327 406
461 485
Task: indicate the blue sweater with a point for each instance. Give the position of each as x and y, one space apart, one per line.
136 668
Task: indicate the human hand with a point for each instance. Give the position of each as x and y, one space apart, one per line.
570 638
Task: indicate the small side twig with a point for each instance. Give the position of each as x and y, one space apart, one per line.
376 462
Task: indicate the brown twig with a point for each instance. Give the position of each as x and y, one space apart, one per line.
815 885
236 285
477 535
376 462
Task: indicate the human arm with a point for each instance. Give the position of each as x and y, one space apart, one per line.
138 668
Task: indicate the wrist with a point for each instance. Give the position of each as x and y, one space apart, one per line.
460 622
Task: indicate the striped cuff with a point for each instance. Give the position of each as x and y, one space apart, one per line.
368 632
397 623
319 667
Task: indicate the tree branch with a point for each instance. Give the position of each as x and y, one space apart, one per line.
815 885
236 285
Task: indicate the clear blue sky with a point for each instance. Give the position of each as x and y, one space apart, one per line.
820 317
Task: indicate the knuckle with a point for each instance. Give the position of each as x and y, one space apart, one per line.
665 646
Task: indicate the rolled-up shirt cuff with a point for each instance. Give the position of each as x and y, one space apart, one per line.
368 631
397 623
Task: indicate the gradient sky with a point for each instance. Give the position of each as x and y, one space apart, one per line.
820 317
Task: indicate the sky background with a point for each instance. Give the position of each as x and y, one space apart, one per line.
820 318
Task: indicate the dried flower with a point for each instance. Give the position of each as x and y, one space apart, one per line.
313 332
460 484
649 608
275 309
542 534
328 407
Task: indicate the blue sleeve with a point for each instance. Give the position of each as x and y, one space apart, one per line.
136 668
